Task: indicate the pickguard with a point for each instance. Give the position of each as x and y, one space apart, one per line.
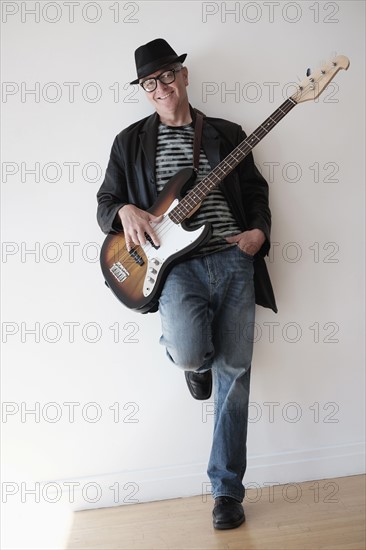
173 239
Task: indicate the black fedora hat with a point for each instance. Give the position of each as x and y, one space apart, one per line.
153 56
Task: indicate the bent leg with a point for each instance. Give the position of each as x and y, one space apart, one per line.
186 317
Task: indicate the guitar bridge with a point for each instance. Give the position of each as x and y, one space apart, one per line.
119 272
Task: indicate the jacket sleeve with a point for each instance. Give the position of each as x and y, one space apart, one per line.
112 194
254 193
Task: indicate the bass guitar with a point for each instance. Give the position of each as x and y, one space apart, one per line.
137 277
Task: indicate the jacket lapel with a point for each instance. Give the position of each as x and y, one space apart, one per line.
148 137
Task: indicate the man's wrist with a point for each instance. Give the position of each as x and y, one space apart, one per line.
260 234
120 209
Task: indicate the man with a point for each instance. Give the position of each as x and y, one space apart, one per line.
207 303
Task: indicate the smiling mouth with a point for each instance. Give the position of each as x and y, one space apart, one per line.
165 96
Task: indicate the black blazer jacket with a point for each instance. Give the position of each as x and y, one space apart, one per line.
130 179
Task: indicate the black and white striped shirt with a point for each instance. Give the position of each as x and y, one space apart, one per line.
173 153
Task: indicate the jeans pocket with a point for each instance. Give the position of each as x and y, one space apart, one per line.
246 255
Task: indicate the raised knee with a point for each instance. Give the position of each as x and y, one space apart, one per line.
189 361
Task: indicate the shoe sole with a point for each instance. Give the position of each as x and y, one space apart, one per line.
231 525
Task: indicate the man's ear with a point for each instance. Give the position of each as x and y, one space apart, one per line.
185 75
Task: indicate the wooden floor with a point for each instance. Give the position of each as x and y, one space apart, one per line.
322 514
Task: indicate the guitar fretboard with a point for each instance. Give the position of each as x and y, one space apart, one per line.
200 191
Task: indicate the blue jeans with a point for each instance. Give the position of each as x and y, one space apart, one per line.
207 312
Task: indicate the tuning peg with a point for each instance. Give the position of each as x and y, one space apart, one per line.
308 72
333 57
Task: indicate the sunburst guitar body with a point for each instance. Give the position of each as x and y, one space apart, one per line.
137 277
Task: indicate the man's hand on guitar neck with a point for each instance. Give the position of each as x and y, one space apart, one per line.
136 223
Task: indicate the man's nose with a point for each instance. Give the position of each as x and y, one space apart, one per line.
161 86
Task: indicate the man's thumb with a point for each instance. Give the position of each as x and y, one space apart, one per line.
233 239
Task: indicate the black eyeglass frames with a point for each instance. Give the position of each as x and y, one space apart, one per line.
166 77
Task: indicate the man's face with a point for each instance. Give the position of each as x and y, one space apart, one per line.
169 99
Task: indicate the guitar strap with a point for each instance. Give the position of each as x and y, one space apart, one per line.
197 139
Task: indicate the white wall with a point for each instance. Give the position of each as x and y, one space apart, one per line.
152 438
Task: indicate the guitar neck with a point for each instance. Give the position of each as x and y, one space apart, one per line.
200 191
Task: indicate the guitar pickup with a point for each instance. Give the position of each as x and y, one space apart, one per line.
149 239
136 256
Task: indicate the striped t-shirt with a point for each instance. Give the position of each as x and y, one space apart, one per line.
173 153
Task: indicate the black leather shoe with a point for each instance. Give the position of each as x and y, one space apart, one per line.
228 513
199 384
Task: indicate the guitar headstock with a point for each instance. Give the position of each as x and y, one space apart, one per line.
312 86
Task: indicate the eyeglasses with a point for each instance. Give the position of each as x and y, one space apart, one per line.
167 77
